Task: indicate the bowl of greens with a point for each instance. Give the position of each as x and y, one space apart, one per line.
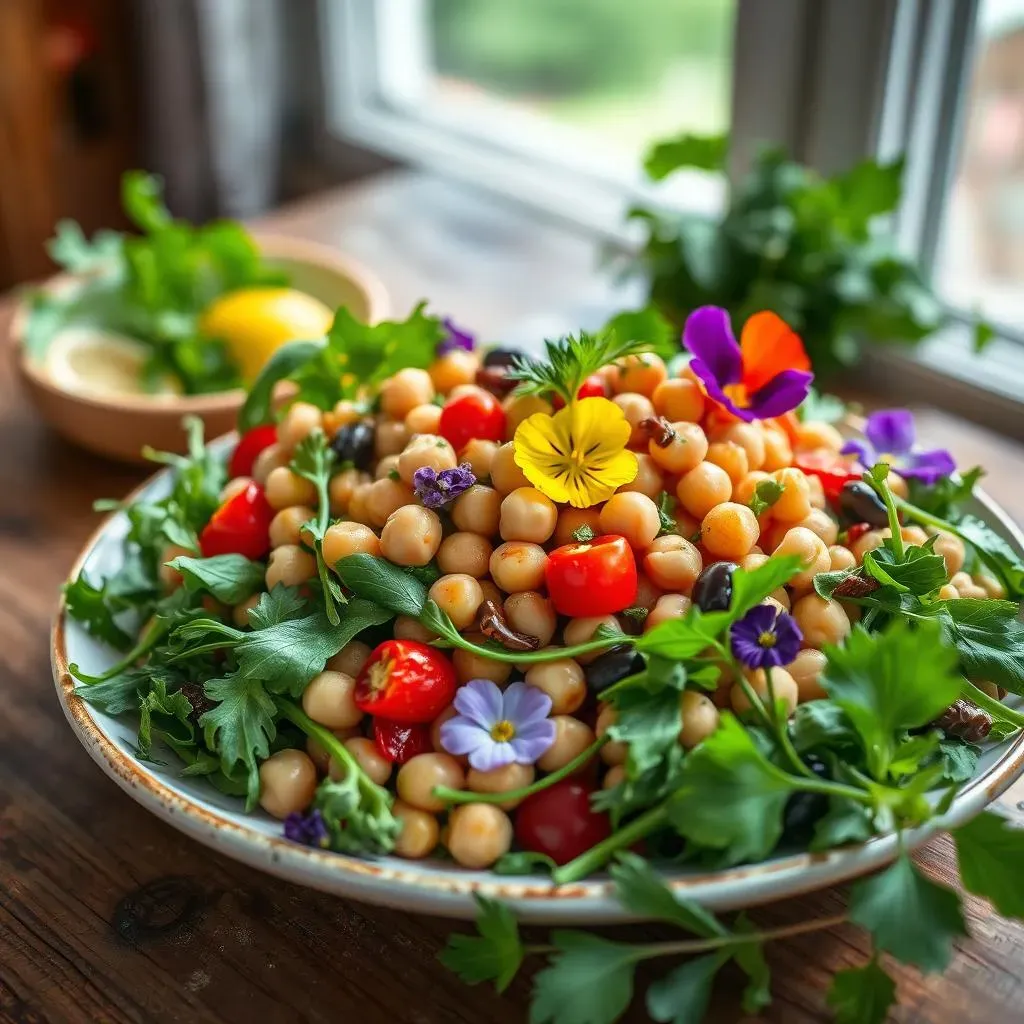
142 329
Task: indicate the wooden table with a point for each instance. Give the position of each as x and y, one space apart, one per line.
107 914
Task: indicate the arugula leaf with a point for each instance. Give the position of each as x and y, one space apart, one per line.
959 759
276 606
920 571
845 821
380 581
908 915
989 853
258 407
729 797
862 995
988 637
88 605
589 980
118 694
229 578
666 508
766 493
820 724
166 715
683 995
496 955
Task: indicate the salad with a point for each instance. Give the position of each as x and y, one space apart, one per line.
635 602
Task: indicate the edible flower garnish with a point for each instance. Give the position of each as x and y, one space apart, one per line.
765 375
436 489
765 638
889 437
454 338
496 728
579 454
308 829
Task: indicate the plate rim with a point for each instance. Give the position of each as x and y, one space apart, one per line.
406 886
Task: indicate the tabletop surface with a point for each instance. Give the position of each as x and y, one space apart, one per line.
107 914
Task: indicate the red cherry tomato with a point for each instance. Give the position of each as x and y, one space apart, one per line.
560 822
477 415
592 387
405 681
856 531
399 741
596 578
249 446
241 526
831 469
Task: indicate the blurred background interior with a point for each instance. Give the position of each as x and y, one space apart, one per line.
243 105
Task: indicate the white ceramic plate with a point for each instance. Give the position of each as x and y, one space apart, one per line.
198 810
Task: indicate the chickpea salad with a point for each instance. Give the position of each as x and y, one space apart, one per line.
633 603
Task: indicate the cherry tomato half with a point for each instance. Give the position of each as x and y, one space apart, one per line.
596 578
473 416
250 444
559 821
241 526
400 741
832 470
405 681
592 387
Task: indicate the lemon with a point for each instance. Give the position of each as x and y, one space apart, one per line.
91 361
255 322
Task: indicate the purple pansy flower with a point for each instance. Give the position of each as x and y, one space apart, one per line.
308 829
765 638
889 434
766 374
436 489
496 728
455 339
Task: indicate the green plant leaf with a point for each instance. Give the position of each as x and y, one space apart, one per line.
78 255
699 152
683 995
276 606
496 954
229 578
258 407
862 995
990 852
988 638
87 604
995 552
959 759
750 958
382 582
766 493
920 571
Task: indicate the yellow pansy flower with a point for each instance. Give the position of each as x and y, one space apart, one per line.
579 454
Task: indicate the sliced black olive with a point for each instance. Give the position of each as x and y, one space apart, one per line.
354 443
612 666
501 356
859 504
712 590
803 810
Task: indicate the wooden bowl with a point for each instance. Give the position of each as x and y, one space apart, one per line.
119 426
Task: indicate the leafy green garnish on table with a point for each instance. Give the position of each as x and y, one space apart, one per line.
862 995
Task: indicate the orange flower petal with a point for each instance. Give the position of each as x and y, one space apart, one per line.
769 346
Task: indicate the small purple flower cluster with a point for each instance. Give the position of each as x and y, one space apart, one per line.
436 489
455 339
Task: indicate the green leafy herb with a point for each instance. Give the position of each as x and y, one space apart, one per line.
766 493
989 852
862 995
683 995
380 581
698 152
642 892
89 605
821 408
919 571
496 954
666 513
229 578
988 638
945 498
523 862
646 326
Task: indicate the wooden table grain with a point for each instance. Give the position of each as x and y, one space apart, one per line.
107 914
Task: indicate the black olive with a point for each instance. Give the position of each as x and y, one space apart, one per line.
803 810
859 504
712 590
501 357
354 443
612 666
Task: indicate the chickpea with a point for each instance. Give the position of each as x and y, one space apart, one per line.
419 833
343 413
678 399
840 558
290 565
478 834
744 491
572 737
272 457
614 752
466 553
357 510
571 519
428 451
240 613
329 699
171 578
794 503
563 681
631 515
424 419
817 492
411 536
685 452
822 524
783 684
435 732
581 631
812 552
501 780
346 538
286 526
647 593
477 510
868 542
812 434
386 497
342 487
947 592
704 487
367 756
480 455
777 450
389 438
506 476
285 488
491 591
729 531
640 374
772 533
669 606
730 457
234 487
420 774
287 783
993 588
469 665
806 670
636 409
297 424
522 407
673 563
456 368
528 515
987 686
700 718
318 753
952 550
533 614
461 390
615 776
897 484
648 479
400 394
405 627
821 622
518 565
458 595
350 659
749 438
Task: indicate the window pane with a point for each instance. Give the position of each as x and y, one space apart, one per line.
981 252
608 76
